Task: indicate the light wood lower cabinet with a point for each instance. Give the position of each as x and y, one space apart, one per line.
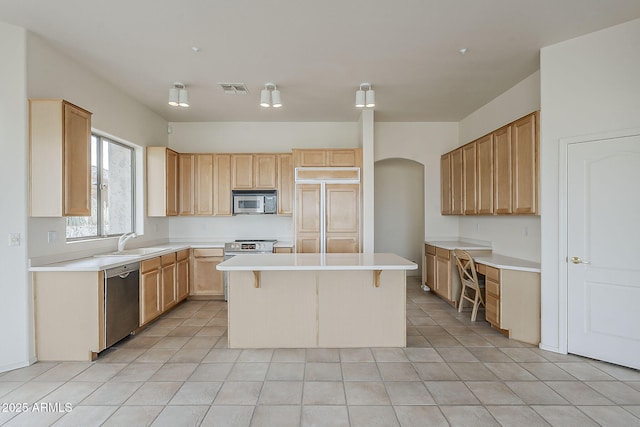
206 281
182 274
283 250
169 295
150 290
430 266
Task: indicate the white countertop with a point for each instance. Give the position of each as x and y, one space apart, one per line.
458 244
508 263
313 262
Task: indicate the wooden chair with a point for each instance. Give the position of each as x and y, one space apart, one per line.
469 281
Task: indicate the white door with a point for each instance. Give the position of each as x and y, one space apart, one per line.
603 207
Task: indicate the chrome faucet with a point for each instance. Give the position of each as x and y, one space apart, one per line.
123 240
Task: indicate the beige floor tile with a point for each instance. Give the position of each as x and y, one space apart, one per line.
201 343
139 341
6 387
133 416
564 416
493 393
196 393
473 340
34 419
323 393
156 355
248 371
280 416
547 372
86 416
320 371
421 320
236 416
500 341
63 371
166 322
189 355
196 321
618 372
27 373
363 371
523 355
120 355
612 416
218 321
281 393
330 416
173 342
616 391
373 416
456 330
72 392
633 384
211 372
256 355
634 409
136 372
112 393
408 393
423 355
465 416
418 342
584 371
212 331
456 355
184 331
366 393
100 372
516 416
222 355
180 416
356 355
432 331
238 393
289 355
392 371
285 371
451 393
174 372
472 371
389 355
438 341
323 355
156 331
557 357
158 393
435 372
510 372
536 393
578 393
420 416
30 392
494 355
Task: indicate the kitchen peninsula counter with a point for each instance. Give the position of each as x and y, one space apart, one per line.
317 300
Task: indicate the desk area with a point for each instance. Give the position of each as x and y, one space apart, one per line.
512 286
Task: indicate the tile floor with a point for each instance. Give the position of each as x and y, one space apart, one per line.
178 372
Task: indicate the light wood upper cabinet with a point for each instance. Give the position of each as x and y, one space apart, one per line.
222 184
484 152
285 184
186 184
309 158
204 184
60 159
162 181
346 157
445 184
265 171
457 183
242 171
469 158
502 171
524 164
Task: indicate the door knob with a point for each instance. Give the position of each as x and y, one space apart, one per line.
578 260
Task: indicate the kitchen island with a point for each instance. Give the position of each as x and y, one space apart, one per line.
317 300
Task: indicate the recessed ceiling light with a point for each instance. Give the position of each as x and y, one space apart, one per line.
463 51
195 49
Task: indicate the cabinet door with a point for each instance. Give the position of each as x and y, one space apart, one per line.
342 218
172 183
484 151
206 280
169 297
150 296
186 184
344 158
469 159
457 184
204 184
502 171
307 220
524 163
430 267
182 275
285 184
283 250
242 171
445 184
310 158
443 278
77 161
265 171
222 184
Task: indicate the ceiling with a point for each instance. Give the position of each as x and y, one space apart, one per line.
317 52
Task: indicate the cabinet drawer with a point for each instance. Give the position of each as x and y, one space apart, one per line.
209 252
149 264
492 288
443 253
492 310
431 250
182 255
481 268
493 274
169 259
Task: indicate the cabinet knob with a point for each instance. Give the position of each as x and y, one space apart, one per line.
578 260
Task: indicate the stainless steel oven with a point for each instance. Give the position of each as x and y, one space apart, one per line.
244 247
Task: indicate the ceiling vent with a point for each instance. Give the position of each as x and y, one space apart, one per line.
234 88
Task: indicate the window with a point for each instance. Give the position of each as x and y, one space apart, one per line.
112 192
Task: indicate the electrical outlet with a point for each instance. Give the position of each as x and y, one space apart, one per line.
526 231
52 236
14 239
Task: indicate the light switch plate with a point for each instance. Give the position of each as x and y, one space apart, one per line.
52 236
14 239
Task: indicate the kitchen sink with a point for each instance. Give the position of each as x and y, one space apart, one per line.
132 252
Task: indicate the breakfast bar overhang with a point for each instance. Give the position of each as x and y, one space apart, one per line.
317 300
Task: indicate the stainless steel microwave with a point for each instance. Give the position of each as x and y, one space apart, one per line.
254 202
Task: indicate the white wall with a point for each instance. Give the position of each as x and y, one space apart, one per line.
252 137
517 236
589 85
423 143
51 74
16 313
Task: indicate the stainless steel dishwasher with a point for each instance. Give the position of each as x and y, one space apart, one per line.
121 302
